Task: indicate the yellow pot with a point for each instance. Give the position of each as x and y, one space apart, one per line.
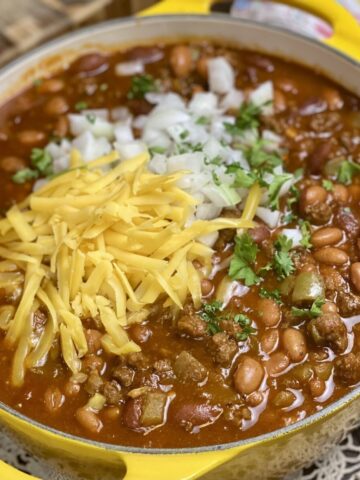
265 457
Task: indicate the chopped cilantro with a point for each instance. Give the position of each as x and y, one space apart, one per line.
245 323
184 134
246 119
81 106
347 170
155 149
273 294
91 118
202 121
214 161
305 229
274 189
187 147
313 312
258 157
42 161
282 262
328 185
216 179
140 85
209 312
241 266
103 87
243 178
289 217
299 172
25 175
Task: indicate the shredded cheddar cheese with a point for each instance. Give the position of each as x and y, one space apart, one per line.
104 243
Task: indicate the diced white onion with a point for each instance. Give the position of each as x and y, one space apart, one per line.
123 133
125 69
294 235
263 96
90 147
131 149
270 217
232 100
221 75
203 104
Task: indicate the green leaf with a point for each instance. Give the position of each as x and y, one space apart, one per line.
282 262
242 263
347 170
91 118
305 229
313 312
274 189
140 85
202 121
328 185
209 312
24 175
258 157
81 106
246 119
243 178
42 161
273 294
154 150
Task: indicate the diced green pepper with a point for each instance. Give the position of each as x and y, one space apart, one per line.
287 286
154 409
307 288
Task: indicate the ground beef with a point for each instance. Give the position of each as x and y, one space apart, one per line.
124 375
231 328
347 368
333 280
326 121
94 383
163 368
318 213
259 234
138 360
225 236
188 368
112 392
222 348
348 303
301 257
347 221
191 324
329 330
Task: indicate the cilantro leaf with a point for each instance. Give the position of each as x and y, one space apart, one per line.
155 149
241 265
305 229
313 312
282 262
274 189
243 178
81 106
140 85
328 185
347 170
42 161
245 323
258 157
246 119
273 294
24 175
202 121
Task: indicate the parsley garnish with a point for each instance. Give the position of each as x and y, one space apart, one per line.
91 118
42 161
347 170
274 189
81 106
24 175
247 118
313 312
282 262
328 185
184 134
202 121
305 229
140 85
273 294
245 323
241 266
155 149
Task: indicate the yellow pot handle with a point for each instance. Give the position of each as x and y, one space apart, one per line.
8 472
346 30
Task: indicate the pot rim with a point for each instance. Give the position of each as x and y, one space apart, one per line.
330 409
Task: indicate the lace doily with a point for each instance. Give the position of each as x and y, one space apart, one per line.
341 463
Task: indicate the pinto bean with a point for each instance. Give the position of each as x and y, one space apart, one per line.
340 193
355 275
140 333
71 389
88 419
294 344
206 287
329 307
52 85
284 399
56 106
54 399
132 413
259 234
12 164
277 363
333 99
31 137
317 387
270 340
254 399
354 192
93 339
181 61
331 256
112 413
150 54
197 413
312 195
92 362
202 66
248 375
269 312
323 237
62 126
279 101
90 63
